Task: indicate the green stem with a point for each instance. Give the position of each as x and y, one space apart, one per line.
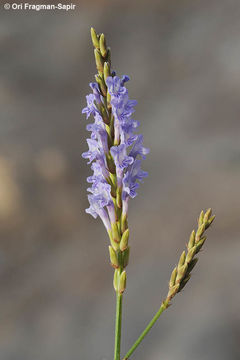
146 330
118 326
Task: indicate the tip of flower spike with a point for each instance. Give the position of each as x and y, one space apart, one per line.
182 273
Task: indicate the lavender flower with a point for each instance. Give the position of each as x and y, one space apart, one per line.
125 153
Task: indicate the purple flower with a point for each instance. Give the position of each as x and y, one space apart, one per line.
99 132
127 152
96 92
120 157
124 79
131 177
97 173
96 208
102 191
91 107
138 148
115 86
121 160
93 151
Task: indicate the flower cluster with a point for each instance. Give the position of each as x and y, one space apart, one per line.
115 151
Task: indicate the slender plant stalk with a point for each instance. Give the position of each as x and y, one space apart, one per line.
146 330
118 326
182 272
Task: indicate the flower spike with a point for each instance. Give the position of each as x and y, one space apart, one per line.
115 152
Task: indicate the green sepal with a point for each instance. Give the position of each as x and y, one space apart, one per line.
207 215
115 280
95 38
122 282
113 257
125 256
200 219
105 116
191 254
184 282
110 163
114 244
115 232
124 223
99 60
200 231
210 221
108 100
119 197
119 214
102 45
124 240
173 277
172 291
108 57
113 179
106 71
182 259
200 243
191 241
101 84
119 257
109 136
181 272
192 264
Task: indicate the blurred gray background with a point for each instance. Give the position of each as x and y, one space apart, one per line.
56 295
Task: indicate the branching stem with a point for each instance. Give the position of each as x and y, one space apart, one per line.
146 330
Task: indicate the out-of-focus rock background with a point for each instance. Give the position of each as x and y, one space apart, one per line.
56 296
